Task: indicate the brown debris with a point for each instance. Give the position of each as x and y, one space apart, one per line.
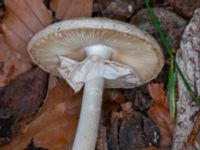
137 131
21 99
102 138
119 9
141 102
66 9
113 141
185 7
171 24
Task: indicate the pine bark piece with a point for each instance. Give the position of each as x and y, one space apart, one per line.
119 9
21 99
137 131
188 57
65 9
185 7
23 19
171 24
54 126
113 141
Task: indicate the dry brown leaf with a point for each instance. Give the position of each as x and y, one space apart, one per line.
10 64
54 126
22 20
66 9
159 113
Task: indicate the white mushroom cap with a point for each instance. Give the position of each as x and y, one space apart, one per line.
132 47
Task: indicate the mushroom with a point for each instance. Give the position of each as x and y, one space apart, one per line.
96 52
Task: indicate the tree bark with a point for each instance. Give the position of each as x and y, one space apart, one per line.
188 57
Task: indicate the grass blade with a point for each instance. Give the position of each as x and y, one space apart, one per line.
170 53
171 91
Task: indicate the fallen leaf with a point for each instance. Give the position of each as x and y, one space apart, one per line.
22 20
54 126
10 64
159 112
65 9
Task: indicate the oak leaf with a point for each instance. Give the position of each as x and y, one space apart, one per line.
65 9
22 20
159 112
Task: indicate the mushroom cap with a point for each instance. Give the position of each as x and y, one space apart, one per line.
133 47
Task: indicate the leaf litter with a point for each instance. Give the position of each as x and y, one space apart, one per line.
130 120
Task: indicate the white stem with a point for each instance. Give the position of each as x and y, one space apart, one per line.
86 134
87 130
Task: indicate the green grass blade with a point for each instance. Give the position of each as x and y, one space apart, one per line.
170 52
171 91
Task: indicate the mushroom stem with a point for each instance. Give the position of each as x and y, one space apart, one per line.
87 130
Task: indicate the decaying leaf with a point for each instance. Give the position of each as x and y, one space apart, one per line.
54 126
65 9
159 112
22 20
21 99
10 64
